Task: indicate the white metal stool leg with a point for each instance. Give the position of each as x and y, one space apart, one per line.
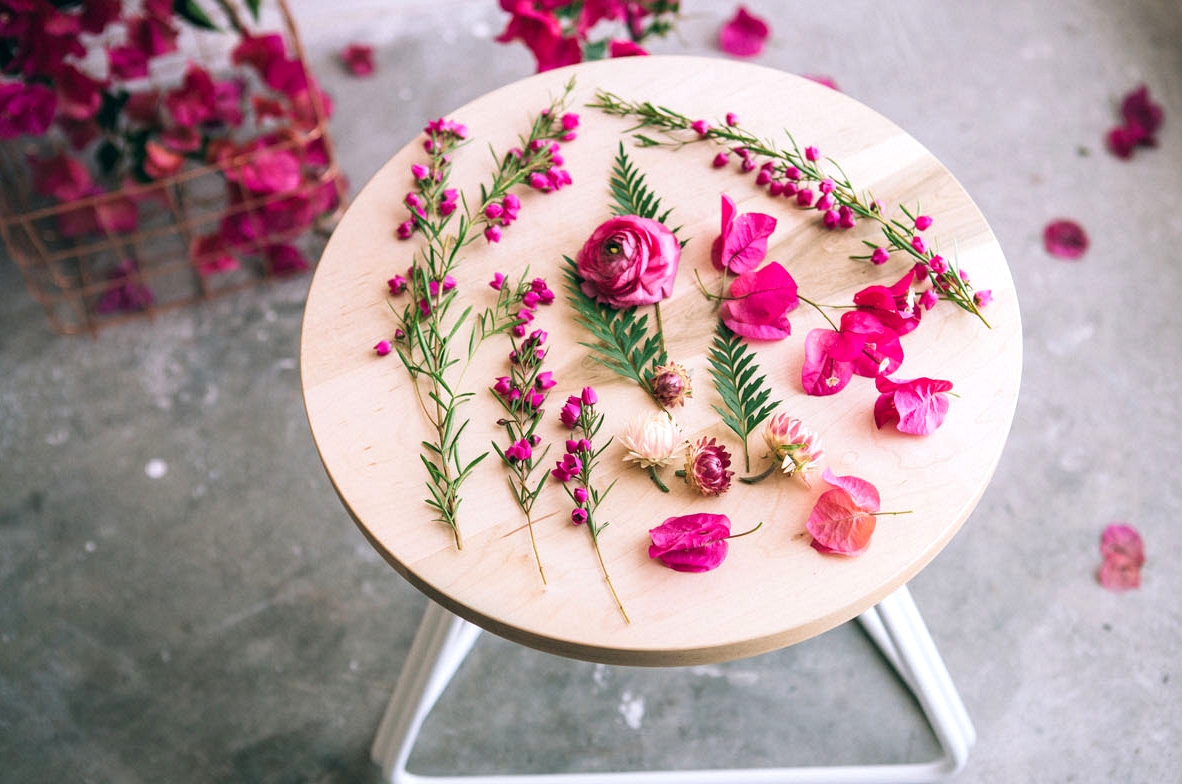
895 625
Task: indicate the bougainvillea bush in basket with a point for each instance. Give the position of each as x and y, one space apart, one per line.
157 151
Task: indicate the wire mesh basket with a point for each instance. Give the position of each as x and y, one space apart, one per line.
149 243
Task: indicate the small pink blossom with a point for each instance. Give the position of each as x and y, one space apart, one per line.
498 281
1124 555
492 234
916 407
742 245
744 34
210 255
804 197
923 222
623 48
519 451
759 303
1065 239
919 245
893 305
578 516
25 109
843 519
567 468
358 58
880 256
982 297
720 160
691 543
382 348
580 495
812 154
700 127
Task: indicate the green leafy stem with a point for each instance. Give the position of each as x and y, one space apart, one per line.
740 385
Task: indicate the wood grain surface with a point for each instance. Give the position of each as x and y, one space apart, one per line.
774 589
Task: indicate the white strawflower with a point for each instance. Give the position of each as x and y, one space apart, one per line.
653 439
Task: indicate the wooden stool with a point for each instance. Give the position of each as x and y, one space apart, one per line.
773 590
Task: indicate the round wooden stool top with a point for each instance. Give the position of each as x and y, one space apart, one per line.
774 589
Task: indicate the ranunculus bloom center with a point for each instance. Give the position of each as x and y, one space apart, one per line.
629 261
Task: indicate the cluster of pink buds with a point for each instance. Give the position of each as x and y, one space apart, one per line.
538 293
443 132
572 411
522 450
500 214
399 284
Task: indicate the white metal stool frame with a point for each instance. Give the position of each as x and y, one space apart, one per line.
895 625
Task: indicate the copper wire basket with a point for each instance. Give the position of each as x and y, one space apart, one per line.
107 277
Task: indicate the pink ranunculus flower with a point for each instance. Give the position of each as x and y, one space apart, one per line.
691 543
916 407
629 261
759 303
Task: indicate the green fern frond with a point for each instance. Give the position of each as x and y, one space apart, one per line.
631 193
622 342
739 383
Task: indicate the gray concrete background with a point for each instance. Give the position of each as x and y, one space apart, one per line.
226 622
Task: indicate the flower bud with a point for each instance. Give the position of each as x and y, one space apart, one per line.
671 385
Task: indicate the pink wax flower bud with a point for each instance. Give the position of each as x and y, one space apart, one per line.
492 234
519 451
420 172
538 181
938 264
812 153
880 256
498 281
538 337
831 219
518 331
511 202
383 348
825 186
580 494
545 380
572 445
412 200
763 178
804 197
790 190
919 245
503 385
569 415
747 165
928 299
397 284
923 222
570 121
399 334
534 398
531 299
405 229
447 208
589 397
700 127
535 439
825 202
793 173
983 297
775 188
424 307
720 160
578 516
845 218
964 275
493 211
732 118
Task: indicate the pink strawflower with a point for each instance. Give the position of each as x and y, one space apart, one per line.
842 521
358 58
671 385
383 348
691 543
744 34
916 407
706 467
1065 239
1124 555
790 442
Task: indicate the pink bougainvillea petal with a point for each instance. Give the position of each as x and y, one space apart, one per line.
838 526
691 543
865 495
744 34
1124 555
829 361
917 407
881 352
742 243
760 302
624 48
823 80
1065 239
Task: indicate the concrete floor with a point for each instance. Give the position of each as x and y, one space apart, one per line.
226 622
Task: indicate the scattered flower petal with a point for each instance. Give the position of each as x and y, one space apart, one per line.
759 303
1124 555
744 34
358 58
916 407
742 245
1065 239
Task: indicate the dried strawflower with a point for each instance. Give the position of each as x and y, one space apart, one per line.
790 442
706 467
671 385
653 439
